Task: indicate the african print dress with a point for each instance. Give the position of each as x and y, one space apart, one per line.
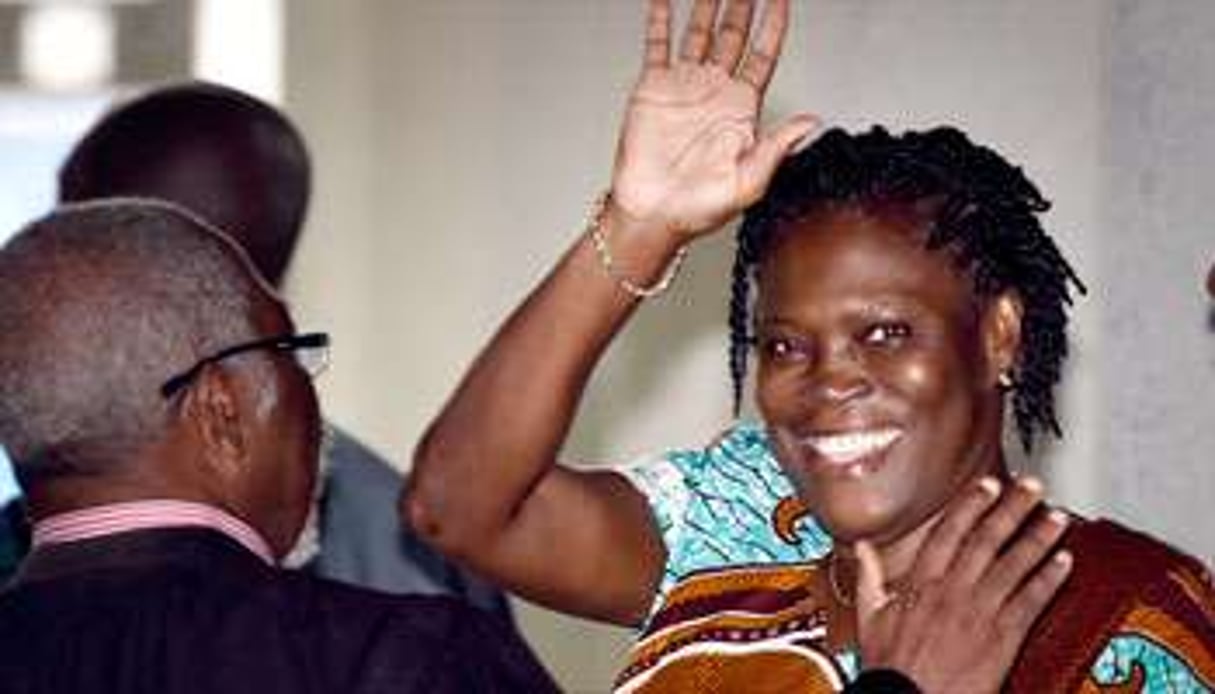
742 604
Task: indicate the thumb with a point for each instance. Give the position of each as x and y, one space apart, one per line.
871 595
758 165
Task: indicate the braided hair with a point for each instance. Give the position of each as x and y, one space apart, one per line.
984 210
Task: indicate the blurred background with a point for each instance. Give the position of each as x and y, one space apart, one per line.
459 143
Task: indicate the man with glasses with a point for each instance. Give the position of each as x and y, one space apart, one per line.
153 400
241 165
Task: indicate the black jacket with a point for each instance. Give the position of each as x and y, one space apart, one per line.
189 610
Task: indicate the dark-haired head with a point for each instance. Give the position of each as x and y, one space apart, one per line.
100 304
975 205
229 158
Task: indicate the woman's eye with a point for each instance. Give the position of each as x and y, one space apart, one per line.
783 349
886 333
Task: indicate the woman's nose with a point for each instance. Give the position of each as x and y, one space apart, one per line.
836 377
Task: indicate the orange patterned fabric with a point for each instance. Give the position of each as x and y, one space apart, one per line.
752 629
764 628
1123 584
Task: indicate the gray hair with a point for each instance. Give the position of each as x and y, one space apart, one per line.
100 303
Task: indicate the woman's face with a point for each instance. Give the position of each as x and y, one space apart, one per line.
876 374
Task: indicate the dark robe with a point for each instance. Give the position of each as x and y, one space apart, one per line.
189 610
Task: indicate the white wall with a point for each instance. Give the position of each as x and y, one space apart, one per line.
1157 239
460 142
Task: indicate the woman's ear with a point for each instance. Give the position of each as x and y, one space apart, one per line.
1002 337
211 407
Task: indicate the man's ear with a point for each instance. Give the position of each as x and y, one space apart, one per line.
1002 336
211 407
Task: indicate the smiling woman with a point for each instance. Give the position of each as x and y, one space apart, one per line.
914 276
882 410
905 291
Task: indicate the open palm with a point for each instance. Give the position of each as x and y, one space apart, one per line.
690 156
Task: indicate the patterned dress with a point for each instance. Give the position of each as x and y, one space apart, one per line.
742 604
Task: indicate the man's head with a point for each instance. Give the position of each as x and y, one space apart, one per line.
100 305
235 161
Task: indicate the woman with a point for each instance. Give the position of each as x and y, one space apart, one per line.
863 523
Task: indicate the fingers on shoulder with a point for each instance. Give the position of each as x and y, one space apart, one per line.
1020 612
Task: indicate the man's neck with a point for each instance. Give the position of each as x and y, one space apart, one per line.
103 520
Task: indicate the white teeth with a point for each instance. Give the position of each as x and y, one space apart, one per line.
854 445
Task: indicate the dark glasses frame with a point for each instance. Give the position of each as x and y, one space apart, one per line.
277 343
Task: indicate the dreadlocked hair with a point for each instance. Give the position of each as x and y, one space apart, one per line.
984 210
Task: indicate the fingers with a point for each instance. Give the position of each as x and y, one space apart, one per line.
658 34
1018 615
699 34
757 167
996 529
951 531
731 37
1018 560
728 42
760 62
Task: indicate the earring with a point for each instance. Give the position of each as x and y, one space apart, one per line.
1005 380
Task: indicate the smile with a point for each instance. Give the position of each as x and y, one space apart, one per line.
849 447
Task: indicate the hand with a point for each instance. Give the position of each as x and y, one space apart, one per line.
689 157
976 588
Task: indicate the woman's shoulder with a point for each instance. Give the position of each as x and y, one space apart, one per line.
1103 544
1128 567
735 467
721 506
1134 611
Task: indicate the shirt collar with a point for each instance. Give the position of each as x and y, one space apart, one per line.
127 516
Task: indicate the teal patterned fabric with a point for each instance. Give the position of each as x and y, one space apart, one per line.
1165 673
714 508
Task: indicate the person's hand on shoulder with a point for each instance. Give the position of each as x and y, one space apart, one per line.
690 156
985 573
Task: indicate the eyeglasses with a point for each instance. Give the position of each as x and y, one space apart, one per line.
311 351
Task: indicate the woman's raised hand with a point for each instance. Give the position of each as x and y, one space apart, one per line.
690 156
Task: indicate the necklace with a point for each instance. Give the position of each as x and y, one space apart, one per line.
898 589
843 597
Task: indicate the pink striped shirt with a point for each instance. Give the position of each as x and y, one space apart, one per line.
109 519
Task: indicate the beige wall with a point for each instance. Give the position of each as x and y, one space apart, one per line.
460 142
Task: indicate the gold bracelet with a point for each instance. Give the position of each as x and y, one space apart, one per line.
594 229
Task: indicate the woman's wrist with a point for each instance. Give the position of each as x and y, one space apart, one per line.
659 234
643 257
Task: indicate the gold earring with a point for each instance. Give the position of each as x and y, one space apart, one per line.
1005 380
